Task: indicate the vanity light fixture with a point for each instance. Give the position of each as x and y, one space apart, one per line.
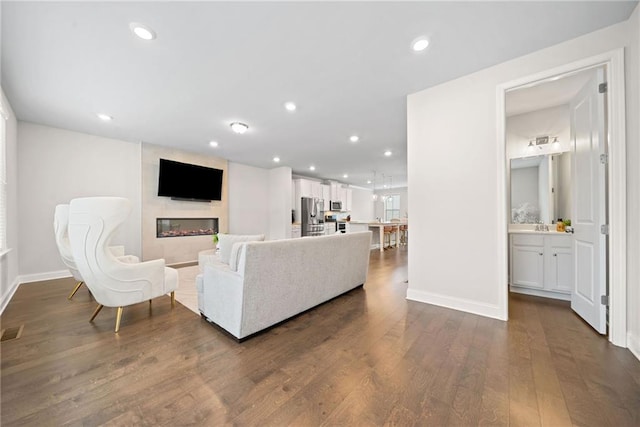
238 127
213 144
104 117
142 31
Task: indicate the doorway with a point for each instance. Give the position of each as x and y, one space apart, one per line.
578 271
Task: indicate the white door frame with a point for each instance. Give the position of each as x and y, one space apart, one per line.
617 183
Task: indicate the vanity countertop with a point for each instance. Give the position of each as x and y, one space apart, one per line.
551 231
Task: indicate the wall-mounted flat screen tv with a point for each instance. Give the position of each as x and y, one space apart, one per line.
183 181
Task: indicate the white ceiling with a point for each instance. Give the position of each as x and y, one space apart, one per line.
347 65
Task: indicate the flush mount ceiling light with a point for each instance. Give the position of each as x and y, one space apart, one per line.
290 106
388 153
213 143
420 44
312 168
238 127
104 117
276 159
354 138
142 31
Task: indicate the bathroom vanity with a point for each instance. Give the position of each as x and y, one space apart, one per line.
541 263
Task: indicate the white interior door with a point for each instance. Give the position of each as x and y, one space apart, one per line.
589 203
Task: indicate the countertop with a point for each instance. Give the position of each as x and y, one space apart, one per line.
376 223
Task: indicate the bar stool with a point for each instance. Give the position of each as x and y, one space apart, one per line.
404 231
387 232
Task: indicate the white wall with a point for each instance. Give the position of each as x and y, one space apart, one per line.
55 166
632 63
404 201
279 203
249 199
9 261
361 204
260 201
520 129
455 124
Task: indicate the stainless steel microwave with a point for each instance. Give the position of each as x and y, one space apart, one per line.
335 205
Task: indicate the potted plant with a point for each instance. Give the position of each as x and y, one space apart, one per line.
215 241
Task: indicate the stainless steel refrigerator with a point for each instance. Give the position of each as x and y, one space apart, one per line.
312 214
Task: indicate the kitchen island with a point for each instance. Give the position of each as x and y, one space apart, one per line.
378 228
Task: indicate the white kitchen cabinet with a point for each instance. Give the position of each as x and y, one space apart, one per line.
348 202
541 264
326 196
335 190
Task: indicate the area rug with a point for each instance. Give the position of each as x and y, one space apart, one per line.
186 294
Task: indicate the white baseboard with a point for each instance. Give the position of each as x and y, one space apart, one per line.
460 304
537 293
633 344
8 295
39 277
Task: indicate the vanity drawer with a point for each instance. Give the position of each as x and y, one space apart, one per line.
527 240
561 241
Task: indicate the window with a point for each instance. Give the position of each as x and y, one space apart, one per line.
391 207
3 183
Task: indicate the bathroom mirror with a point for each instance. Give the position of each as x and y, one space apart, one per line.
540 188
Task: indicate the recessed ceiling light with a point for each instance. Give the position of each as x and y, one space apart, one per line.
354 138
369 181
104 117
142 31
420 44
345 176
238 127
276 159
290 106
213 143
312 168
388 153
385 186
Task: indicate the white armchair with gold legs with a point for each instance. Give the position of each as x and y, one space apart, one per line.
92 222
61 229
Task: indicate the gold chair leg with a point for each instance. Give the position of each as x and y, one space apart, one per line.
95 313
173 298
118 317
75 290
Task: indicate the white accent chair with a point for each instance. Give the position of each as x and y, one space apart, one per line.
92 222
61 229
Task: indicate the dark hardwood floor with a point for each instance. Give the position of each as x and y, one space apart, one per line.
369 357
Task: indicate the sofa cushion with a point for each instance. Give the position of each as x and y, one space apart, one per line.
226 241
235 255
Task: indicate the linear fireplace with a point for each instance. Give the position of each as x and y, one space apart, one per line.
180 227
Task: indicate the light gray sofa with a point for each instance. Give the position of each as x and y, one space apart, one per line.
275 280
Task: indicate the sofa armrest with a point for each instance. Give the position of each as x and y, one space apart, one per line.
222 293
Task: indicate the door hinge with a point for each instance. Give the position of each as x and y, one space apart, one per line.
604 159
604 300
604 229
602 88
